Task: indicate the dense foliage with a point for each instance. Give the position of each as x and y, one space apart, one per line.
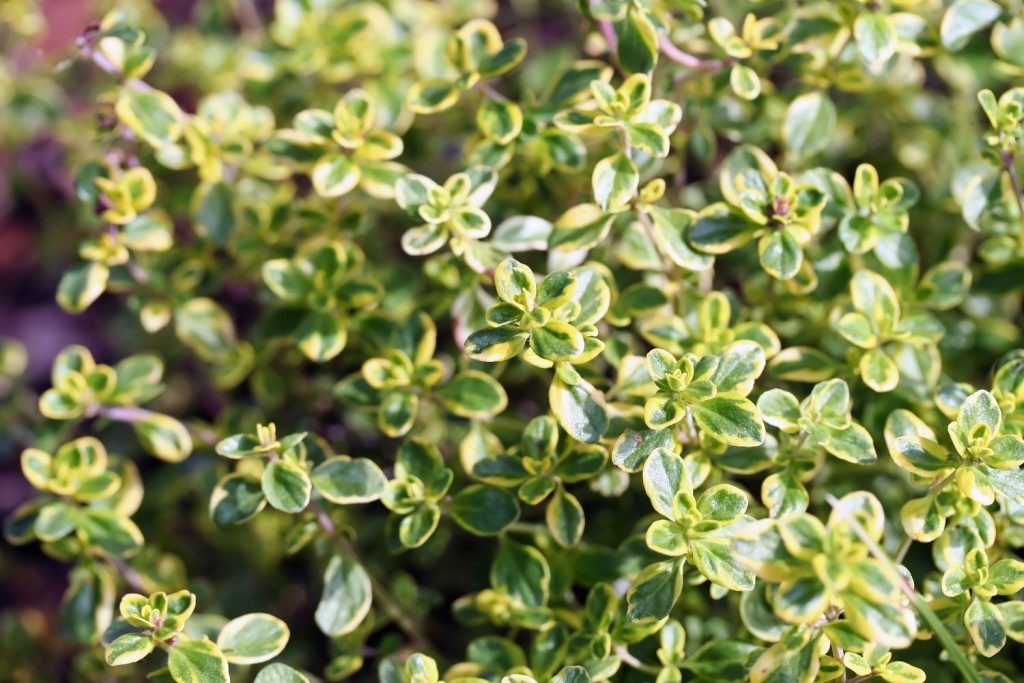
633 340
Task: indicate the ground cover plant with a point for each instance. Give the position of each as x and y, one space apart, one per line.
513 342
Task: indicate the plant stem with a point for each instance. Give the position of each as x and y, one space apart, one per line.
380 592
671 51
623 653
904 548
125 413
1011 170
956 655
128 573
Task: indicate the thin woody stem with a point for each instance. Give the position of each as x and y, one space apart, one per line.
380 592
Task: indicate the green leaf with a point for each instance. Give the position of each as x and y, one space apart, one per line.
876 37
670 229
286 485
964 18
236 498
986 627
579 408
504 60
721 660
794 659
744 82
713 557
81 285
522 572
654 592
557 341
164 437
152 114
128 648
720 229
197 661
809 123
214 211
780 254
473 394
500 121
428 97
632 449
321 336
346 598
253 638
565 519
852 444
581 227
56 520
335 175
279 673
107 530
416 528
734 421
346 481
495 344
637 41
879 371
779 408
664 476
484 510
615 181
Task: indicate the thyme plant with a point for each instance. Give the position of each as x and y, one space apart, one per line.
526 342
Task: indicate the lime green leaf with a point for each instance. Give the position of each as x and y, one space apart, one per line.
428 97
416 528
557 341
